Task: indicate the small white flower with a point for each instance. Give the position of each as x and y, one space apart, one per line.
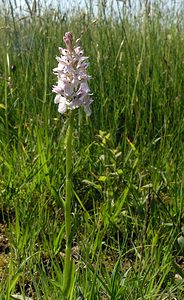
62 108
72 90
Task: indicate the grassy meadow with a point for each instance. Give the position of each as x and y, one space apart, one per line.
128 156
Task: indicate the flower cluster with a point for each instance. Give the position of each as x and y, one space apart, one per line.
72 90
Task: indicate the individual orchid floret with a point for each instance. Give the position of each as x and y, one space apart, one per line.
72 90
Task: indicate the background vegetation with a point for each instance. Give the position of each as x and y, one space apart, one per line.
128 209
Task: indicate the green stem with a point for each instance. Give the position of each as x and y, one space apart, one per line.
67 206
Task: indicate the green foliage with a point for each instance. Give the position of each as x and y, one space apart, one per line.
128 177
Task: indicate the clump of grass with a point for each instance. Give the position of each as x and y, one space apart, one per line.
128 172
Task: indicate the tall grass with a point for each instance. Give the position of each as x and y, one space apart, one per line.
128 208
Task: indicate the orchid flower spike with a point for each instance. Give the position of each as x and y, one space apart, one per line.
72 90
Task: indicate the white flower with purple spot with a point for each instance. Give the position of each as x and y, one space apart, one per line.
72 90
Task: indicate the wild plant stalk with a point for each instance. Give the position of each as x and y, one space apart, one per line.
67 206
72 92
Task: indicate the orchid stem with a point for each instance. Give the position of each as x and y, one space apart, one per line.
67 207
